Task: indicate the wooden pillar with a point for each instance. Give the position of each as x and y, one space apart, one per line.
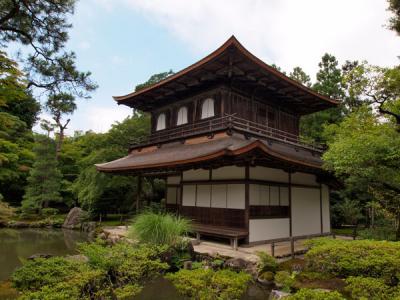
320 208
247 200
290 204
139 192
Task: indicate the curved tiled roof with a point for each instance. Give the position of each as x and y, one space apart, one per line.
231 42
179 155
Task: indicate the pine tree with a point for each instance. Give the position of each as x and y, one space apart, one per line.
44 180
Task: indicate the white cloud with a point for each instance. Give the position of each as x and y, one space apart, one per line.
84 45
285 32
100 119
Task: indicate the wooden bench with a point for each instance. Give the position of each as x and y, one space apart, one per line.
233 234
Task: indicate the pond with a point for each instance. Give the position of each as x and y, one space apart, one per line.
16 245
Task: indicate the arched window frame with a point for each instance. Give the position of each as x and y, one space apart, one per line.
207 108
161 123
182 116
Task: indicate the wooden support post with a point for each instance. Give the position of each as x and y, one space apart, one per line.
273 249
235 243
292 247
138 193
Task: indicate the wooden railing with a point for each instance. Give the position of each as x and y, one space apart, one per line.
226 122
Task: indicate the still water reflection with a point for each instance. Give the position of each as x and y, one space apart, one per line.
16 245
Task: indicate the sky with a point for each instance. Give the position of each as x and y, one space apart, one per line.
124 42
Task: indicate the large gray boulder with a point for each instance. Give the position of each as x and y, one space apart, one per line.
74 218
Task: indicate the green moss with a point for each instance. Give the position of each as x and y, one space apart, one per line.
377 259
201 284
368 288
315 294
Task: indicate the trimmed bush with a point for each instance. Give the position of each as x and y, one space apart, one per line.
377 259
368 288
312 294
266 263
201 284
285 280
47 212
159 228
112 272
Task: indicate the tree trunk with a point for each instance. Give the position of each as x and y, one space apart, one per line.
59 142
355 231
398 227
138 192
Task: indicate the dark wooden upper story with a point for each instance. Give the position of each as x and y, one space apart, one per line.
230 89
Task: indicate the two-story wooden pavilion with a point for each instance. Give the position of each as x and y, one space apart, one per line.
225 135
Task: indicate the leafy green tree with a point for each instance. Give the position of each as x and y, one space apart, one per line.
394 22
44 178
329 83
300 76
18 111
377 86
154 79
42 25
59 105
95 190
366 149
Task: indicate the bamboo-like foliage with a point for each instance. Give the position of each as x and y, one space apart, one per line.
159 228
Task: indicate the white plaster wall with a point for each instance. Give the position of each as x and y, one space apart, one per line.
173 179
203 195
189 195
304 178
259 194
268 229
236 195
305 211
229 172
218 195
268 174
199 174
326 218
171 195
274 195
284 195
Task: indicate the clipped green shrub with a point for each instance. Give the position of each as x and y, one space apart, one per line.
368 288
202 284
266 262
111 272
123 261
6 212
47 212
315 294
57 278
266 276
285 280
377 259
159 228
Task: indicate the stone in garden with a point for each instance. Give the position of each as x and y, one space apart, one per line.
277 295
74 218
236 264
187 265
39 255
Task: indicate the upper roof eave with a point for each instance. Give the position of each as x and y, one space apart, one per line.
232 41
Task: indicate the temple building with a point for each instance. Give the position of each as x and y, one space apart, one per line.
225 136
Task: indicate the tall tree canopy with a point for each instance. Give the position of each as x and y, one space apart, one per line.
44 178
394 22
43 26
300 76
366 149
154 79
18 112
329 83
